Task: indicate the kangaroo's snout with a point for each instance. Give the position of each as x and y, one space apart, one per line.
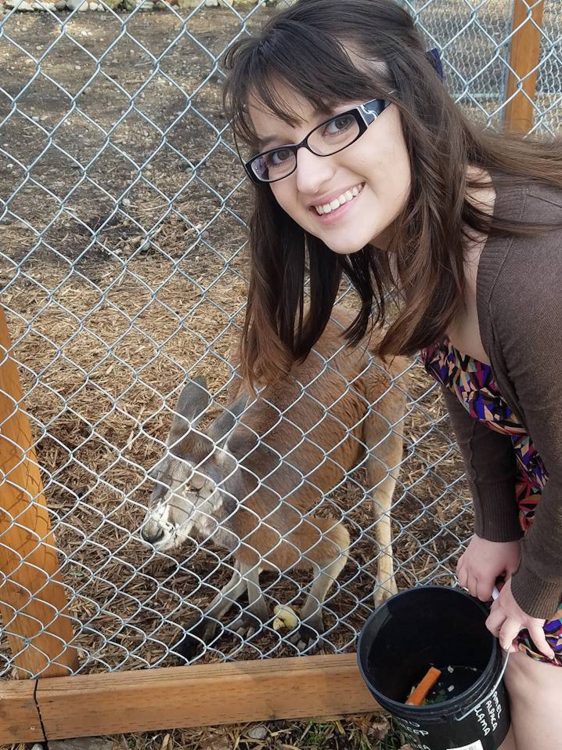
152 533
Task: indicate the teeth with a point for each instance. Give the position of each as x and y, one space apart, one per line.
349 195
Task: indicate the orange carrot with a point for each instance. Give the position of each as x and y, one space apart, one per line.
419 693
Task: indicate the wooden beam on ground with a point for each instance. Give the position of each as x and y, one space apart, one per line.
523 60
202 695
19 716
32 599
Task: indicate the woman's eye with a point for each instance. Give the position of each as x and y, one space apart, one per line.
339 124
278 157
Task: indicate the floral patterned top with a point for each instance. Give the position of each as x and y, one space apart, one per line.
472 382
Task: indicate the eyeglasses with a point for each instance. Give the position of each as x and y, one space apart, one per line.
325 139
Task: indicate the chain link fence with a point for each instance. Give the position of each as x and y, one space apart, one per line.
122 261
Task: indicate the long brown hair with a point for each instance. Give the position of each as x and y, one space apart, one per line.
307 47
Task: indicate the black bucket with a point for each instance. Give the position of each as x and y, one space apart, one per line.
444 628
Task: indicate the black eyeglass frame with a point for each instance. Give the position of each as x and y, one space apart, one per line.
364 115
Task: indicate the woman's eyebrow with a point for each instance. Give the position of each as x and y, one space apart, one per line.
319 113
263 143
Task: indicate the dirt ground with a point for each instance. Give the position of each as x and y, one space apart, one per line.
123 268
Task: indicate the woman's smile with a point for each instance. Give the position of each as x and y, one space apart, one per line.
331 205
347 199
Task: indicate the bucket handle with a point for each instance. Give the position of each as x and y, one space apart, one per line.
492 691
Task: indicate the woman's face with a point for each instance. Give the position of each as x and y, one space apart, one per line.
371 177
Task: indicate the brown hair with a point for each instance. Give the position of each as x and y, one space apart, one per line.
306 48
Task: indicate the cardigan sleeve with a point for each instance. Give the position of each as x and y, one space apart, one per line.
526 315
489 461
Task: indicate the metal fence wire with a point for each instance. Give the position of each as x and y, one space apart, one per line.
122 260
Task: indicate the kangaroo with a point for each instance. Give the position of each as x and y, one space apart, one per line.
253 479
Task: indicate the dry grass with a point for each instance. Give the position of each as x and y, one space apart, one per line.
365 732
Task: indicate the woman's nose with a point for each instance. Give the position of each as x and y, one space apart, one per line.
312 171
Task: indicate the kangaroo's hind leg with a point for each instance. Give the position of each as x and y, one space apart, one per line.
257 612
328 558
202 629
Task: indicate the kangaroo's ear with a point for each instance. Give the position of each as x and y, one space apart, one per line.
193 401
222 425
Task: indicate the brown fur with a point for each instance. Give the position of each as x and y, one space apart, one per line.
293 444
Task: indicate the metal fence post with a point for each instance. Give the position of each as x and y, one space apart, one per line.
32 599
523 61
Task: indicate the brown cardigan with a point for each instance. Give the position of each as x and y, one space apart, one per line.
519 299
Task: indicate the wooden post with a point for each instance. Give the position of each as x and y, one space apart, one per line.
32 599
523 60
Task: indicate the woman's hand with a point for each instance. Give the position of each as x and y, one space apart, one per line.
483 562
507 619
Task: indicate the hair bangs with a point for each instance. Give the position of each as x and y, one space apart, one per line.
313 64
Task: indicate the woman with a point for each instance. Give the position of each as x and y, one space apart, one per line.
363 165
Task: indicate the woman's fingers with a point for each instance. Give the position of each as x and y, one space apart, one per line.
472 585
503 629
462 573
506 631
484 590
539 639
480 587
494 622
